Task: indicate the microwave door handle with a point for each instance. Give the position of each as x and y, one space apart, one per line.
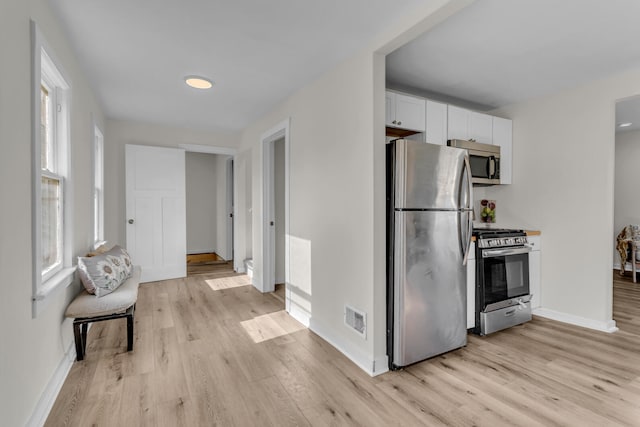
492 167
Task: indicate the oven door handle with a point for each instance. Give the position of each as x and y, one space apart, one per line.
490 253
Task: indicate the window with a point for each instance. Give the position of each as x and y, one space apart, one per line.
51 189
98 187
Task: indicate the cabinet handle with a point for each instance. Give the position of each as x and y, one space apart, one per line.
399 123
394 122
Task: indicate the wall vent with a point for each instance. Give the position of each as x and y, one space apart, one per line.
356 320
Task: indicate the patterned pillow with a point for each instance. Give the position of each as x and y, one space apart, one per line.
102 274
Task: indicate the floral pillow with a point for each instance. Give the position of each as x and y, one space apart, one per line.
102 274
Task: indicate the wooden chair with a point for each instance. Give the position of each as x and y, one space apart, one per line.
629 239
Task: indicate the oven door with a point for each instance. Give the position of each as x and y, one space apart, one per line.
504 274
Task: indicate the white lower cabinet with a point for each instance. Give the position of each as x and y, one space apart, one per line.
471 287
534 271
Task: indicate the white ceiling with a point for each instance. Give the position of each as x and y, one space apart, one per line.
491 54
137 52
500 52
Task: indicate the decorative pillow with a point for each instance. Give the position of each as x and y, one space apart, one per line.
99 250
102 274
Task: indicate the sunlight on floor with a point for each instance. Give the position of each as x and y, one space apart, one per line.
228 282
272 325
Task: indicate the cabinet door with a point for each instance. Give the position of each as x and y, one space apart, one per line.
410 112
481 127
390 108
534 278
436 132
503 136
534 270
457 122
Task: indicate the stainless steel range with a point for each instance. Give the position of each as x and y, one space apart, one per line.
502 279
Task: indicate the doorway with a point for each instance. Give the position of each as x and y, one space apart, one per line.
209 211
626 205
275 208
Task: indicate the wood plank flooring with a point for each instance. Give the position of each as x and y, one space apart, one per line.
211 350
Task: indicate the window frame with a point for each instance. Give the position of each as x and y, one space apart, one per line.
47 69
98 186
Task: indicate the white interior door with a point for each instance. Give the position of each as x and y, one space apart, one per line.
156 211
230 254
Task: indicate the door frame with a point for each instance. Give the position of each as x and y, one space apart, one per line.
226 151
267 280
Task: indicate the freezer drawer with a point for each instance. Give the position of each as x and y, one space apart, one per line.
429 290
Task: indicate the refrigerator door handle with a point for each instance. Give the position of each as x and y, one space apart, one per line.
469 210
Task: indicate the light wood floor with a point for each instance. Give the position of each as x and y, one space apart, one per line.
210 350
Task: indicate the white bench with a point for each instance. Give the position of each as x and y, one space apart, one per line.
87 308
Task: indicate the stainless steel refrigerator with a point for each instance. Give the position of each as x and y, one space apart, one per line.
429 227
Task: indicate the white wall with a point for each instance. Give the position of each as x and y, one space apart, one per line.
117 135
33 350
564 155
627 183
337 200
279 199
202 189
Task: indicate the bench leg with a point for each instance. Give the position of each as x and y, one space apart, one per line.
79 342
83 330
130 332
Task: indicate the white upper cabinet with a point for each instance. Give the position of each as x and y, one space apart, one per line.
405 112
466 124
436 132
502 136
458 122
481 127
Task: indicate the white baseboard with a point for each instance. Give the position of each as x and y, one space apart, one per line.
609 326
299 314
50 393
371 366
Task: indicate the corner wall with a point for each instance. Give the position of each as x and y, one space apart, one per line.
337 192
36 353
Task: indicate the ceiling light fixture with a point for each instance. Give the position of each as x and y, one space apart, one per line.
625 125
198 82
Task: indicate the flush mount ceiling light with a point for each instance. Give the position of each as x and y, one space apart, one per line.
198 82
624 125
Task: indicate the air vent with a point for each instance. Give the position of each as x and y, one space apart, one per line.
356 320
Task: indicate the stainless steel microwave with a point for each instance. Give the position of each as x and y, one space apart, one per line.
484 160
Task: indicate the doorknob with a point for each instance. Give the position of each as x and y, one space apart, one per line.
130 221
270 222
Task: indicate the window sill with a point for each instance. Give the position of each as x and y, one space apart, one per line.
60 280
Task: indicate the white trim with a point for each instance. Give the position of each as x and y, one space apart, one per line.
266 142
62 279
606 326
371 366
208 149
97 133
50 393
225 151
51 69
295 311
